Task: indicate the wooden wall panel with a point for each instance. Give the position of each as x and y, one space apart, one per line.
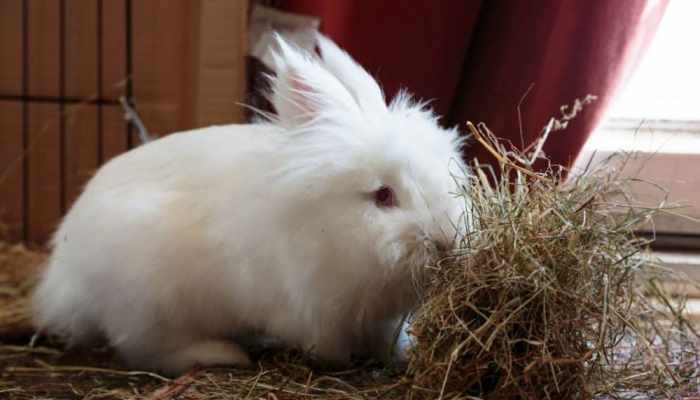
81 149
114 132
44 171
43 47
113 48
185 59
81 49
661 177
11 47
11 199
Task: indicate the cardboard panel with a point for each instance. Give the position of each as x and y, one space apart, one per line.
81 149
43 200
11 47
11 200
160 60
81 48
43 47
188 63
219 71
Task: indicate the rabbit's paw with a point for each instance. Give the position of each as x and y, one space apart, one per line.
205 354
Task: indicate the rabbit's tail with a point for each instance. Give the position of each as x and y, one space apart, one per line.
60 308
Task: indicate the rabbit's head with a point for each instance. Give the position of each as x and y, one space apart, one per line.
373 184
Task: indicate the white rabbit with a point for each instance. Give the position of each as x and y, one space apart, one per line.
307 228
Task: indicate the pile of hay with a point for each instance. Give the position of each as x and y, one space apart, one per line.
18 267
551 296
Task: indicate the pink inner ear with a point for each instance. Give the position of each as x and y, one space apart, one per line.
302 95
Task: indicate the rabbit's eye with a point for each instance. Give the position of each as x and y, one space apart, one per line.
385 197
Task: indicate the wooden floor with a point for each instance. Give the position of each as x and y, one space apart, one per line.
688 267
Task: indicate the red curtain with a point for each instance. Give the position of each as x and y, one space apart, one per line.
476 59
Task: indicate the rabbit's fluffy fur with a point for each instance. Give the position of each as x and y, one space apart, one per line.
179 246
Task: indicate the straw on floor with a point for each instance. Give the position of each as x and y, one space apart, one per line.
550 295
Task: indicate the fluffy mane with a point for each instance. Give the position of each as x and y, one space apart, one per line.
336 117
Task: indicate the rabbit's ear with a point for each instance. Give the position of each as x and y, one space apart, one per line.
359 83
303 89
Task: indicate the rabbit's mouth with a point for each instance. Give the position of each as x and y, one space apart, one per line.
410 256
416 258
408 261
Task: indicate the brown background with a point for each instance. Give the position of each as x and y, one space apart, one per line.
64 66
